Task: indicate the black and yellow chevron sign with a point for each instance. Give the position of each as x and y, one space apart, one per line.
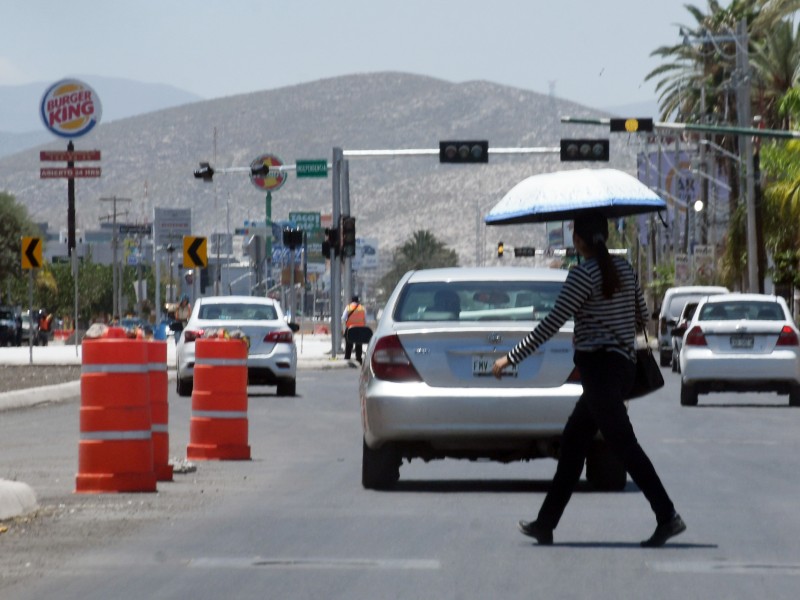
31 252
195 251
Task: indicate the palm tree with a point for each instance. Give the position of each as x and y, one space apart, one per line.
698 86
421 251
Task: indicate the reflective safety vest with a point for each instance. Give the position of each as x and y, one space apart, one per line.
356 316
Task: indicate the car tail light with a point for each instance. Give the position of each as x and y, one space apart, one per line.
391 363
787 337
279 337
695 337
190 335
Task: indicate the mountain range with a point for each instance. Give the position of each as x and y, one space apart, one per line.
149 158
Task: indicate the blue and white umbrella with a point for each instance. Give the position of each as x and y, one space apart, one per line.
564 195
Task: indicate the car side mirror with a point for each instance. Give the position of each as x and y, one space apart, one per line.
294 327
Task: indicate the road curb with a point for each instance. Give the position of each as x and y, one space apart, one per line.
16 499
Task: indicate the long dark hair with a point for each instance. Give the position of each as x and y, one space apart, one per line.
593 230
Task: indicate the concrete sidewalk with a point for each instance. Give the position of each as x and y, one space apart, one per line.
17 498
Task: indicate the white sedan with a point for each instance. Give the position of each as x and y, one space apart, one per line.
427 390
742 343
272 357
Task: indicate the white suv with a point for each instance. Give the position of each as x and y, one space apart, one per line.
674 300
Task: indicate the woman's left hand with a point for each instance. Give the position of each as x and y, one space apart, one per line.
500 364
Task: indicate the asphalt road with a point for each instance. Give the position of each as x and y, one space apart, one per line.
294 522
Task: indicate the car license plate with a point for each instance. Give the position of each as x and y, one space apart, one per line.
482 367
741 341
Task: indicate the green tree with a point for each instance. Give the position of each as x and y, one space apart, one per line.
421 251
14 224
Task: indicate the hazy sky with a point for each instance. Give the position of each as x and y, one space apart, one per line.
595 52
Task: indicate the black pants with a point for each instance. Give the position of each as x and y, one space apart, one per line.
606 377
348 350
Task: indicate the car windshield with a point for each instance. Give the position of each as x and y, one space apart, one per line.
238 312
737 310
477 301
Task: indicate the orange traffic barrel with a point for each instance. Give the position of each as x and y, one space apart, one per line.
159 407
115 453
218 428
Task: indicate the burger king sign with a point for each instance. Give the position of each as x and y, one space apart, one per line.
70 108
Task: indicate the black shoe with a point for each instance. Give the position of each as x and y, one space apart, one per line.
542 535
664 531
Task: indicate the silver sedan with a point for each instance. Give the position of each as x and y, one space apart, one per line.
742 343
427 389
272 357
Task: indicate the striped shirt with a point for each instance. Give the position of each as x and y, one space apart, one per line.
600 323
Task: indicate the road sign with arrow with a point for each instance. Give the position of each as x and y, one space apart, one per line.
195 251
31 252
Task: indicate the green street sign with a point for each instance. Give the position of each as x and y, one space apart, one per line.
312 168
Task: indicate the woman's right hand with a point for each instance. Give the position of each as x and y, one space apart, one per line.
498 366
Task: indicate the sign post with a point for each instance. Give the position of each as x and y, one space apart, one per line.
273 179
31 259
69 109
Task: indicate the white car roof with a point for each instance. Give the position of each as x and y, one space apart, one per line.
237 300
741 297
487 274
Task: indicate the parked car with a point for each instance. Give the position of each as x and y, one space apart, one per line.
26 328
674 300
427 390
8 326
677 334
272 357
741 343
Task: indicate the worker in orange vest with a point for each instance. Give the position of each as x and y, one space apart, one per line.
354 316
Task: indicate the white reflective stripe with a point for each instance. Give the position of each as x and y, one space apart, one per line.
219 414
114 368
160 428
221 362
116 435
159 366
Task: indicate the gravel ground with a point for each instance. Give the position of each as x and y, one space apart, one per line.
30 376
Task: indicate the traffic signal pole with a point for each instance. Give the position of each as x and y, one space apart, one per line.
336 277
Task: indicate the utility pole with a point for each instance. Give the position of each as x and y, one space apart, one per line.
746 143
115 277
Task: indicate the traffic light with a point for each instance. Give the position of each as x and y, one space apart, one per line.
292 238
330 245
348 236
205 172
579 150
631 125
524 251
464 152
499 249
260 170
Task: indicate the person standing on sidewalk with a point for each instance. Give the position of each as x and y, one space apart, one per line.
354 315
603 296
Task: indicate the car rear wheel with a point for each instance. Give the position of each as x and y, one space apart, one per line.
184 387
380 467
604 471
688 395
794 395
287 388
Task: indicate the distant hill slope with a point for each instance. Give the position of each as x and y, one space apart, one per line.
150 158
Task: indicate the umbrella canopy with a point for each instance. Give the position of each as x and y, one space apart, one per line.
564 195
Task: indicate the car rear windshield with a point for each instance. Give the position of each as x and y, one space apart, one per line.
238 312
735 311
477 301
